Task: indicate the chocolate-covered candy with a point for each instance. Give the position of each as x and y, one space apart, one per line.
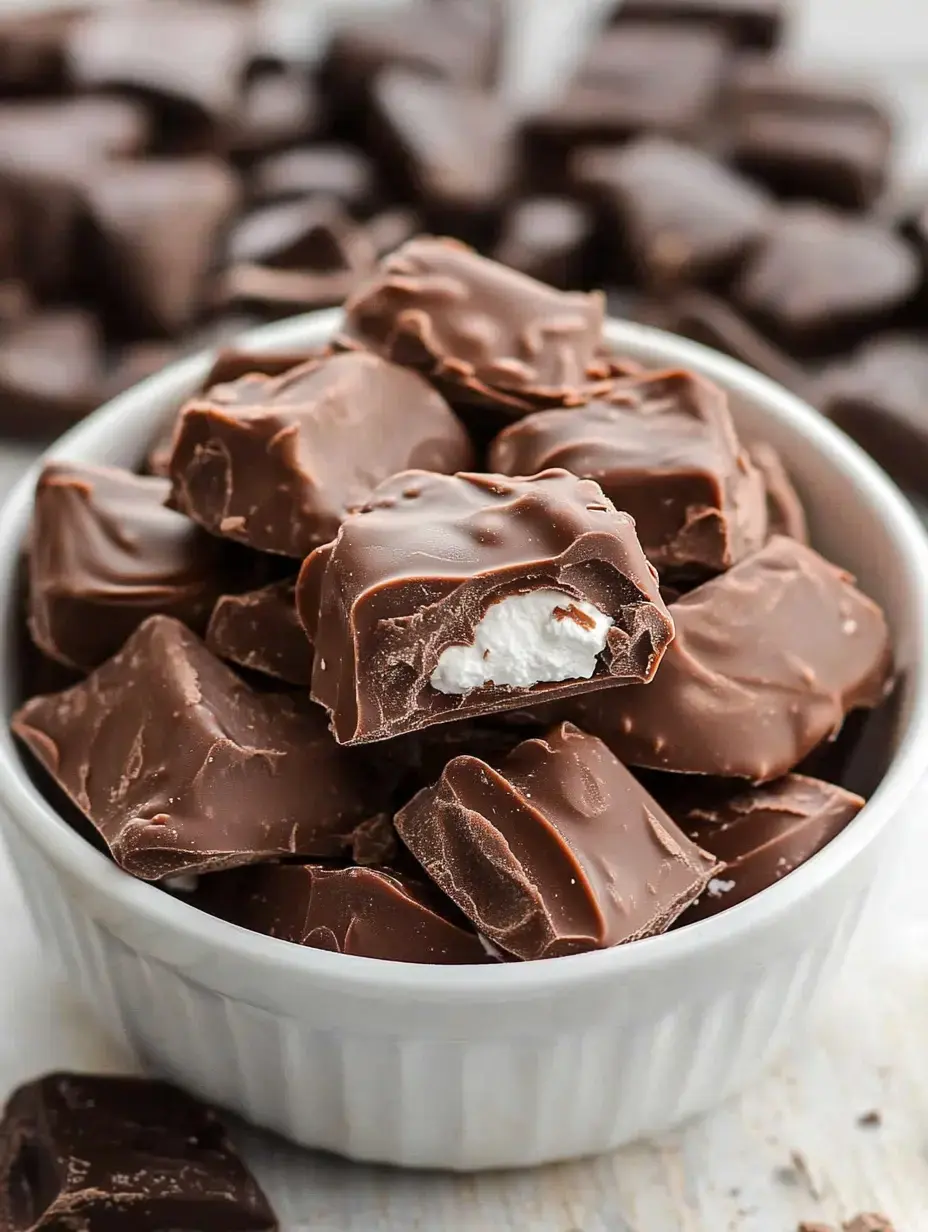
785 512
488 334
821 279
662 447
548 238
767 660
756 24
683 216
280 108
452 596
102 1153
183 768
759 834
260 630
106 554
277 464
339 172
52 372
557 851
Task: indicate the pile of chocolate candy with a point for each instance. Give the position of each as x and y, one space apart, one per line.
526 646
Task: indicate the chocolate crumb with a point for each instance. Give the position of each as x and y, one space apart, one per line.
870 1120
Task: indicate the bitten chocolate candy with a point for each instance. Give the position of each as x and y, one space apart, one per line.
102 1153
749 23
488 334
278 464
451 596
260 630
759 834
767 660
369 912
183 768
662 447
558 851
106 554
785 512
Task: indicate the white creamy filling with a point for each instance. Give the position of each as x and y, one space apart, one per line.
539 637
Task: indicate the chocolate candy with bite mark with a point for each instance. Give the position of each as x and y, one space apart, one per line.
339 172
280 109
821 280
758 834
488 335
260 630
662 446
406 610
548 238
106 554
558 851
104 1153
278 463
183 768
785 512
767 660
52 372
758 24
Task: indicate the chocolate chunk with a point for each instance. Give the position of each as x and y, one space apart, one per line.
368 912
376 842
453 596
339 172
192 770
106 554
260 630
558 851
663 447
448 147
683 216
759 834
767 660
280 109
103 1153
158 224
51 373
785 512
280 469
488 334
822 279
748 23
548 238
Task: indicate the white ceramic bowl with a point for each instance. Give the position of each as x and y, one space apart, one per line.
484 1066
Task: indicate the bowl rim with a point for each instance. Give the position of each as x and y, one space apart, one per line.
172 917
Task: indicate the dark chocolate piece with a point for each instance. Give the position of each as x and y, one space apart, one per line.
368 912
757 24
558 851
339 172
280 109
548 238
51 373
683 216
821 279
759 834
785 512
102 1153
488 334
260 630
278 464
662 447
192 770
105 555
767 660
405 607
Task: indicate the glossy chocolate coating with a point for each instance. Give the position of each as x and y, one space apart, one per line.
487 333
106 554
785 512
260 630
548 238
419 566
192 770
767 660
756 24
558 851
759 834
39 399
277 464
662 447
99 1153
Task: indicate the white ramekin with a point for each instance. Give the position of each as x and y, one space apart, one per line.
487 1066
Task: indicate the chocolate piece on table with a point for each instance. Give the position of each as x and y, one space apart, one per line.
447 597
339 172
260 630
368 912
548 238
757 24
821 280
104 1153
280 109
279 468
488 335
52 368
158 224
448 147
785 512
192 770
106 554
767 660
557 851
683 216
759 834
662 446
